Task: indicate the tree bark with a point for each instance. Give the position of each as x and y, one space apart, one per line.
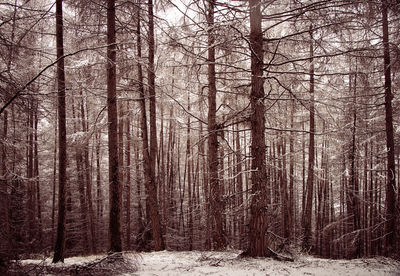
62 138
114 183
390 225
258 225
215 190
5 236
149 164
128 183
88 180
154 209
311 157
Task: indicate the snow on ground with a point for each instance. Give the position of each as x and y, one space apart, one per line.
225 263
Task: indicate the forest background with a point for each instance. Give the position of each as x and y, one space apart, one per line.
265 126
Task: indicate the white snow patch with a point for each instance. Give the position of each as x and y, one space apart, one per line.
226 263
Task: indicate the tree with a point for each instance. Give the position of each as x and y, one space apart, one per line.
390 225
213 129
62 138
152 196
113 169
258 225
311 157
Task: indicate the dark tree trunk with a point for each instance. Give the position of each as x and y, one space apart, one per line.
128 183
149 169
390 225
5 236
88 180
115 185
258 225
53 207
215 189
188 165
99 194
311 157
84 235
154 209
239 188
62 138
36 175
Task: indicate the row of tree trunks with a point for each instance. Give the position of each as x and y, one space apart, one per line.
221 190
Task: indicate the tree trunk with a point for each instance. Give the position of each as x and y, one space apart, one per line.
114 183
189 158
53 207
62 138
154 209
5 236
88 180
149 164
36 174
128 183
258 225
390 225
81 188
311 157
215 190
99 194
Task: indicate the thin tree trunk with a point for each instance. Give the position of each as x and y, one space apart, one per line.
99 194
292 199
390 225
239 187
88 180
5 235
151 189
81 188
189 181
36 174
114 183
30 203
154 209
311 156
215 189
62 138
53 208
128 183
284 192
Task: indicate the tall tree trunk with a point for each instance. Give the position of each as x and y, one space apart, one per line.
115 185
36 174
292 199
53 207
62 138
215 190
81 188
239 187
88 180
390 225
258 225
30 203
99 194
149 164
154 210
128 182
311 157
189 159
286 227
354 189
5 236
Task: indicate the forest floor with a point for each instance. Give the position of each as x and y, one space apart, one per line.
207 263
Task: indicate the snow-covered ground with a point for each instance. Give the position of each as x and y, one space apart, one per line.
227 263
